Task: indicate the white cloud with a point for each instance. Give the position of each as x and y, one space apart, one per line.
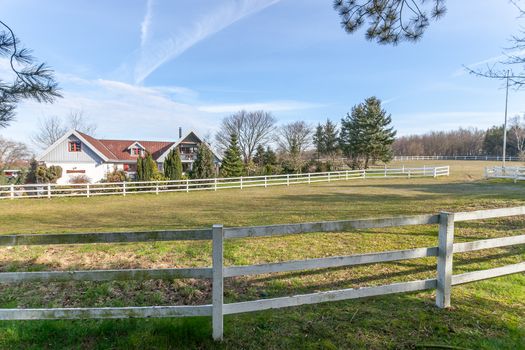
146 23
489 61
272 106
122 110
155 53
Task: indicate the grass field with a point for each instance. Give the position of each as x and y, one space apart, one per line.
484 315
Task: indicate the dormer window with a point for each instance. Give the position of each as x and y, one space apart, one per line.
74 146
136 151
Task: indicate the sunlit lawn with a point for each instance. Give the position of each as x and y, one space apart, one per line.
488 314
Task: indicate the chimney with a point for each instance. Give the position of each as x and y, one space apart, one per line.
180 132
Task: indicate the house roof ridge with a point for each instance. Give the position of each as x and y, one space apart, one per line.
99 141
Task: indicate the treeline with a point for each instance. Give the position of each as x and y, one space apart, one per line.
465 142
246 139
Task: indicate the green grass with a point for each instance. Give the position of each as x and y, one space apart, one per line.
485 315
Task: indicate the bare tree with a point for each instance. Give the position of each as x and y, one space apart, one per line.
252 129
459 142
77 121
52 128
512 67
12 152
294 137
517 129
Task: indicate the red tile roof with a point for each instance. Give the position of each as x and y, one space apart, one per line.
118 149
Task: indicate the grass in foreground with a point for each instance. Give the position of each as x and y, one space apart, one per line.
485 315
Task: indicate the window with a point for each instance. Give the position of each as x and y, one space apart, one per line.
75 146
136 151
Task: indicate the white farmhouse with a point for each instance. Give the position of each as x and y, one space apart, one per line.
80 154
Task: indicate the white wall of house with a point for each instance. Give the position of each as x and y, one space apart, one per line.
94 171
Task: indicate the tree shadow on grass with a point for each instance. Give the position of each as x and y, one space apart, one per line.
475 190
402 321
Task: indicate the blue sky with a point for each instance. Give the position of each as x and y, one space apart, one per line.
142 68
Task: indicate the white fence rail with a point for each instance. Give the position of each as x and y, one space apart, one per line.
487 158
498 172
217 309
126 188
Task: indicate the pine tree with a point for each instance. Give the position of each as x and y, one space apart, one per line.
147 169
319 141
331 139
31 177
150 167
232 164
366 133
173 165
203 167
270 158
258 158
140 169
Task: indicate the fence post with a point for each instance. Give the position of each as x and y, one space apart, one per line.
87 190
12 189
187 185
444 262
124 189
385 170
364 173
217 281
265 181
309 178
287 179
215 187
328 176
435 172
241 182
156 188
48 190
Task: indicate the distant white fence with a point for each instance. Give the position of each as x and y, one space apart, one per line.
443 281
125 188
496 158
498 172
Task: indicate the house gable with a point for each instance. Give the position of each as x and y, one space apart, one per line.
190 137
60 151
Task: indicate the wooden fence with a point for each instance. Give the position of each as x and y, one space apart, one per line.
443 281
126 188
508 172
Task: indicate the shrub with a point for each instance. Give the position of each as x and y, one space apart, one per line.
79 179
116 176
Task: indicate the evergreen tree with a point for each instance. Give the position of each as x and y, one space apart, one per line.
40 173
147 169
270 158
258 158
366 133
32 80
173 165
331 139
326 140
31 177
140 169
203 167
319 140
232 164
